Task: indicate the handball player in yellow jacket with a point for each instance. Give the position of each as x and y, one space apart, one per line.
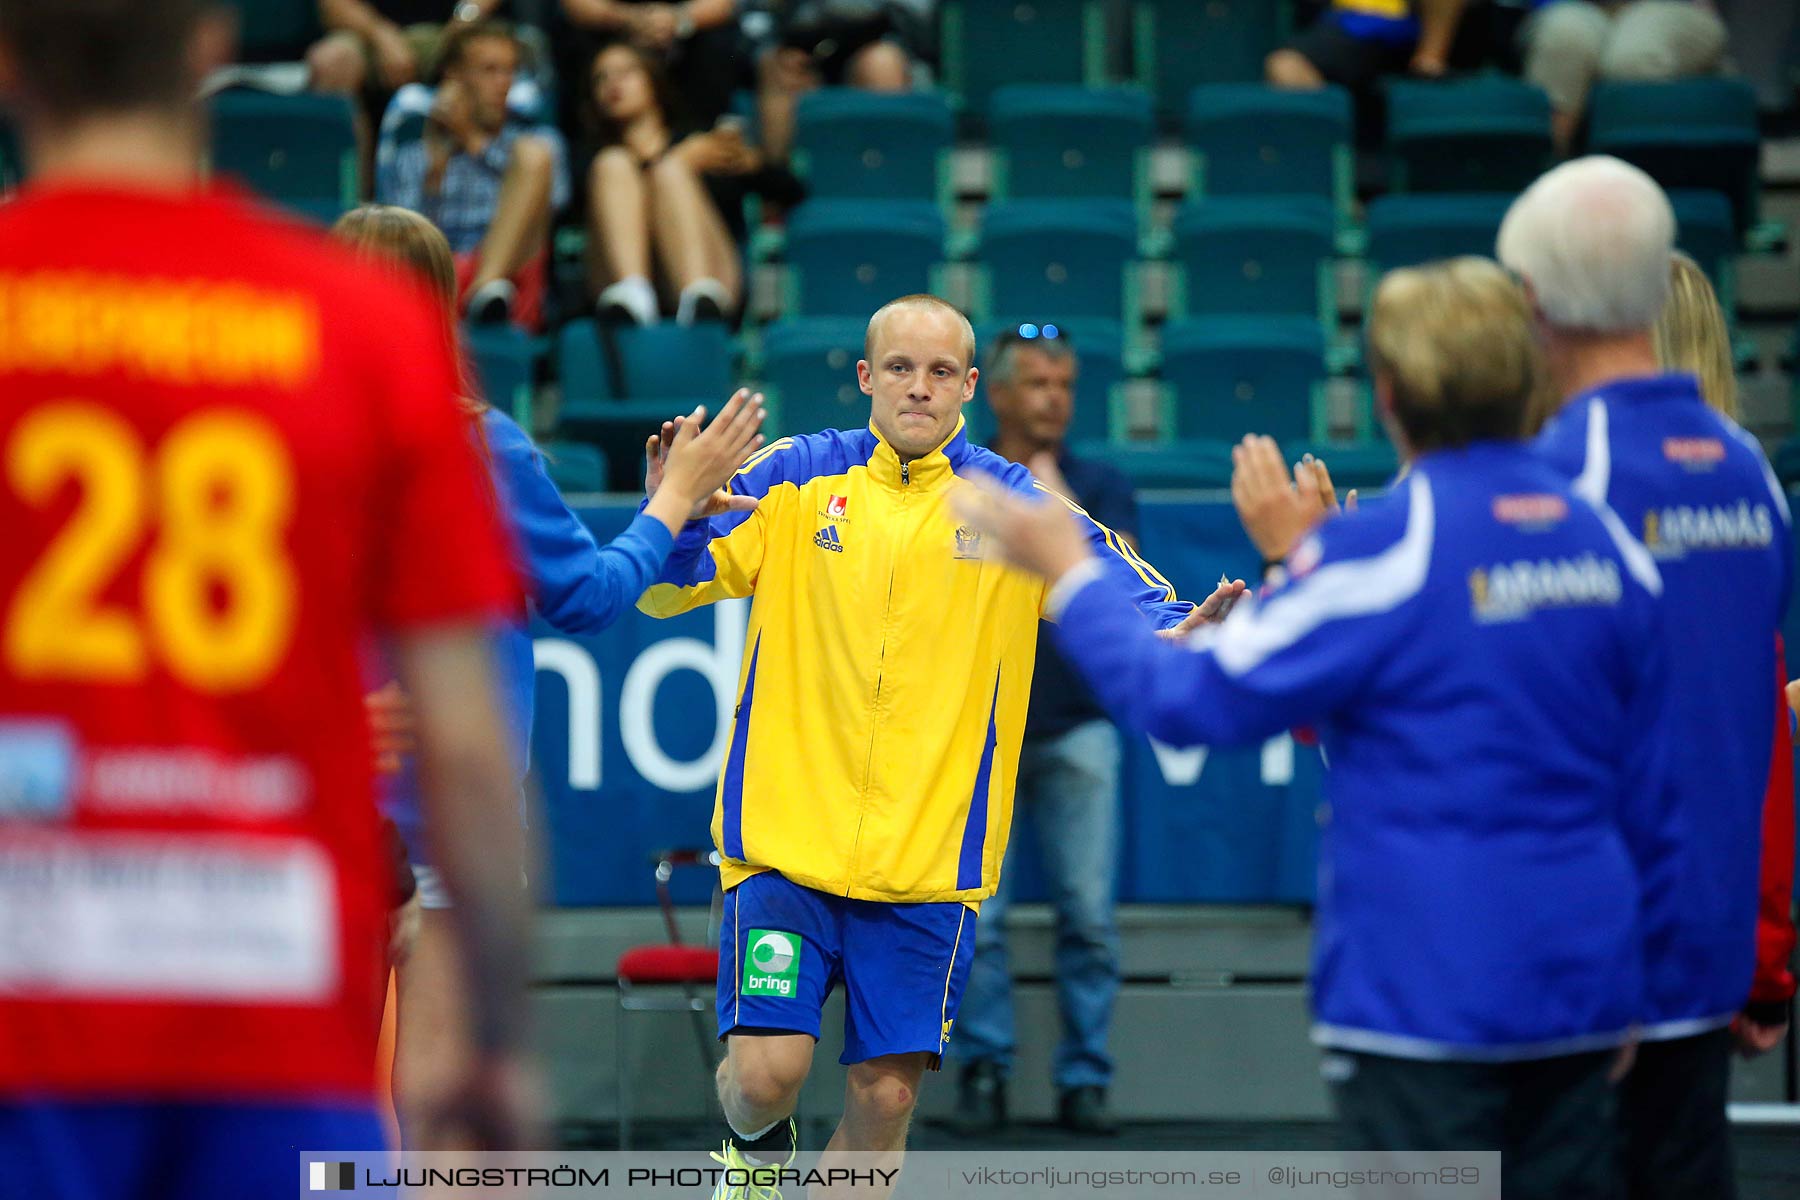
866 796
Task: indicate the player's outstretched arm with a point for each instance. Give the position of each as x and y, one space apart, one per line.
1289 662
583 587
1117 554
718 553
686 470
471 809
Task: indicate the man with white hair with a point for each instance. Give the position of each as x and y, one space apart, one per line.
1592 240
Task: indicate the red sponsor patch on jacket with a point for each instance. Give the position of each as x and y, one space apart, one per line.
1531 509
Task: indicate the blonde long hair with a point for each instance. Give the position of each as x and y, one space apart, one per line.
1692 335
403 238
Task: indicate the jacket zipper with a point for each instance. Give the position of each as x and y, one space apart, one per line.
887 608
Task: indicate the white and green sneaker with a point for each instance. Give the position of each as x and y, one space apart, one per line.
762 1177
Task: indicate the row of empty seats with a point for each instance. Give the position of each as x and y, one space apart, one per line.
1220 378
1080 258
1487 133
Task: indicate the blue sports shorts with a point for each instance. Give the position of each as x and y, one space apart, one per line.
783 947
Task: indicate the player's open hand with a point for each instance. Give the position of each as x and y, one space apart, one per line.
1752 1037
1274 510
1036 534
689 462
1210 611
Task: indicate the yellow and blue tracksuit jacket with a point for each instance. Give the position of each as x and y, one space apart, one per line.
881 703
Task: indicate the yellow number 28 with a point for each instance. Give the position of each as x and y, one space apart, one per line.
218 593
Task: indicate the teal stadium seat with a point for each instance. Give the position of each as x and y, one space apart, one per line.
1056 140
1407 230
862 145
847 258
1486 134
1181 44
989 43
1690 133
1251 140
1703 228
676 362
619 385
506 364
1206 463
1243 254
1068 257
809 366
575 466
1179 465
297 151
1229 376
1099 347
275 30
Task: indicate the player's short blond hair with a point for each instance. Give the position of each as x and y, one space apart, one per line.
1454 340
1691 335
927 302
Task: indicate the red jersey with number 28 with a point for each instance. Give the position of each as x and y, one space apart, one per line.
228 453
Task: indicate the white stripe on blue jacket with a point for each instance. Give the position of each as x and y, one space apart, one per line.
1481 653
1699 493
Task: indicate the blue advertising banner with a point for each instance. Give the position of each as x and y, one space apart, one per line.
631 726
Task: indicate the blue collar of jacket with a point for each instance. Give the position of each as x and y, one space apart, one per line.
928 471
1668 385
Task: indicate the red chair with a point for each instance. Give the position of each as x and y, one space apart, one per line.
667 977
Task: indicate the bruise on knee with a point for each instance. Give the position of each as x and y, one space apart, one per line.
883 1096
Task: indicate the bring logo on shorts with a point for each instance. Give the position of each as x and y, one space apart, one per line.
772 966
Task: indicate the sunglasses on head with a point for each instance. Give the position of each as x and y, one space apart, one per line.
1025 331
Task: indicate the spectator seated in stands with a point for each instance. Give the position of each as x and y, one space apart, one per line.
699 41
875 45
664 204
1569 44
488 178
386 44
1355 42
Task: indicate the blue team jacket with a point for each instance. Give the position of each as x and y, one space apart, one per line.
575 585
1700 495
1480 652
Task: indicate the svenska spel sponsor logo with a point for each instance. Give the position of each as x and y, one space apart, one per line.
772 963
